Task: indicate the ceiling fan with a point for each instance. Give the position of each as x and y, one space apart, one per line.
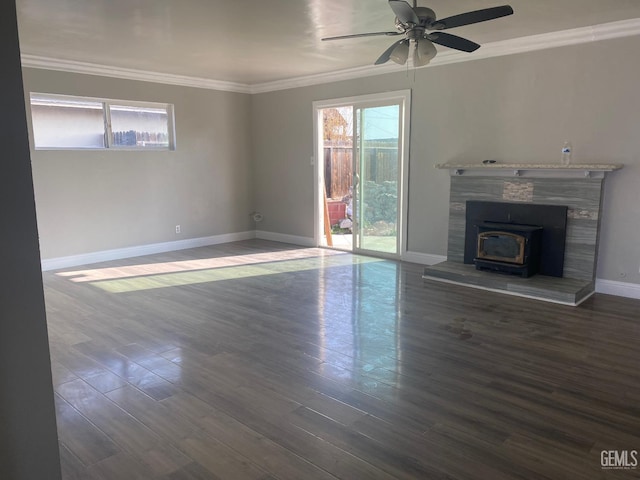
415 24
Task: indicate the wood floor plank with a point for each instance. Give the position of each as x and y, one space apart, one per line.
381 455
267 454
133 373
303 443
125 430
61 374
82 439
163 459
122 465
443 458
71 466
291 362
219 459
192 471
155 416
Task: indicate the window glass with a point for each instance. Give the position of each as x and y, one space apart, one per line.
67 123
139 126
72 122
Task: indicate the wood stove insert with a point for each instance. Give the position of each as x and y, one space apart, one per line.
551 219
509 248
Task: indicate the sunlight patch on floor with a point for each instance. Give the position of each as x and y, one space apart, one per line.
97 274
149 282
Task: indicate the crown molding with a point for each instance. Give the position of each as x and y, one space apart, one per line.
328 77
48 63
595 33
575 36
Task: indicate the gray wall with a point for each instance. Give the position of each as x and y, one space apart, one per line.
28 438
517 108
514 108
90 201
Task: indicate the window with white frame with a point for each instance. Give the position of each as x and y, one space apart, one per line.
65 122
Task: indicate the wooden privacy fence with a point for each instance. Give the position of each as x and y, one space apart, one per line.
380 165
338 171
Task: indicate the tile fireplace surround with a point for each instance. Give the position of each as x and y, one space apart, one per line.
579 187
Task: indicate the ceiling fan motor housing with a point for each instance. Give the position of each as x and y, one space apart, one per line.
427 19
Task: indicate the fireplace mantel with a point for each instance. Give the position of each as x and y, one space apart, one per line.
588 170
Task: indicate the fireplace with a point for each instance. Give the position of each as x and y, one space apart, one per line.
569 243
518 238
508 248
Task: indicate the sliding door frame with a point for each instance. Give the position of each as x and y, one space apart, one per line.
317 160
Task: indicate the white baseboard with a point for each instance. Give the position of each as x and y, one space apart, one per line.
621 289
127 252
281 237
423 258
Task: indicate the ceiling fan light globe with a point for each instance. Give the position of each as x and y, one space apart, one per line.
423 53
400 54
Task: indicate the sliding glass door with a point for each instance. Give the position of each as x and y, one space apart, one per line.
377 181
361 173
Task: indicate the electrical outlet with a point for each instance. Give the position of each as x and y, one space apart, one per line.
177 228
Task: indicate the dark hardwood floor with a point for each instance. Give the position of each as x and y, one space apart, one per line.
260 360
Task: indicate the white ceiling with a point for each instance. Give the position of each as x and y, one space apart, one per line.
257 41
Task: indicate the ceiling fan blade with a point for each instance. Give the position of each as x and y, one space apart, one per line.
404 12
384 58
453 41
472 17
357 35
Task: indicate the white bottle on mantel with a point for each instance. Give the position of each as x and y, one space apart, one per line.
565 159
